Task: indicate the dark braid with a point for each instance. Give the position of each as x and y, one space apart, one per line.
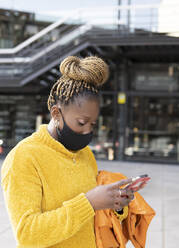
80 76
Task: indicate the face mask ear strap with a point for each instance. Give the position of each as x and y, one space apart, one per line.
56 123
61 114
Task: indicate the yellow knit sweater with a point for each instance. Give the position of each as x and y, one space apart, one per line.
44 186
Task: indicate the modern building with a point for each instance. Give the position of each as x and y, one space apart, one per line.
139 118
17 26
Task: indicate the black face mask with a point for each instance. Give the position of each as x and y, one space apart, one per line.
71 140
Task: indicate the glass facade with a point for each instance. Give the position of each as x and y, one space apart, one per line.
153 131
139 115
104 142
19 116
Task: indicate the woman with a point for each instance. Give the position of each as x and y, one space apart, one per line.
49 178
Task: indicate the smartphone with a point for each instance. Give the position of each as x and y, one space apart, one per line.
137 182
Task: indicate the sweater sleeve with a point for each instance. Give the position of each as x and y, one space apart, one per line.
23 195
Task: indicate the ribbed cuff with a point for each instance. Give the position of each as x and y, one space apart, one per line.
124 214
81 207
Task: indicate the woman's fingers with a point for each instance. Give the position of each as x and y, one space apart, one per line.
131 197
141 186
124 182
125 202
120 183
122 201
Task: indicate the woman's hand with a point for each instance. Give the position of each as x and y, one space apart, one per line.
110 196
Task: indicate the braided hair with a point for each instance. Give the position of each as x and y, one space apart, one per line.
80 77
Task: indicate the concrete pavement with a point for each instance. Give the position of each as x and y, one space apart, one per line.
162 193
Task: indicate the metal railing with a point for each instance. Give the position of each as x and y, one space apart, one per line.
105 16
56 39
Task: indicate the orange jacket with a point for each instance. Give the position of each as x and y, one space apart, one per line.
110 233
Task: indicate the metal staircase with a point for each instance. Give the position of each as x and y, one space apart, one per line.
43 52
40 53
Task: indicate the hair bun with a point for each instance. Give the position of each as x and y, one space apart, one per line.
90 69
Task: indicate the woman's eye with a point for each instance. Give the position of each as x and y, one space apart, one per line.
81 124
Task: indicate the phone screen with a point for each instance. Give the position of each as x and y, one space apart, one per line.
137 182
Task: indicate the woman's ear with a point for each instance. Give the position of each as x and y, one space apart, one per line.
56 116
55 113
